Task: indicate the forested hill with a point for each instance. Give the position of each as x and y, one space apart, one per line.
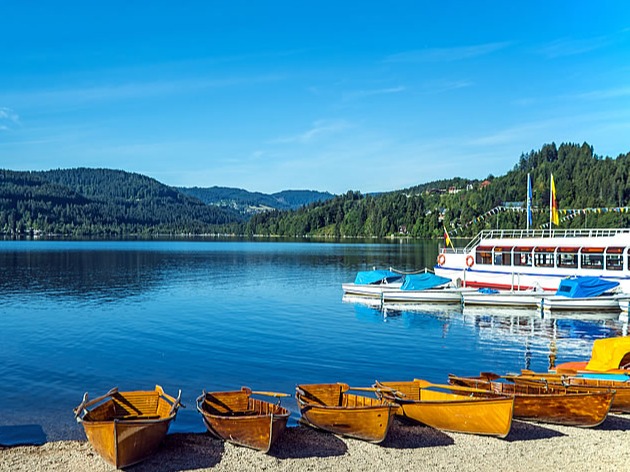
83 202
248 203
592 191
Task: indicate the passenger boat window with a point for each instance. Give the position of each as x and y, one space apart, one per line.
592 258
567 257
614 258
543 256
483 255
523 256
502 256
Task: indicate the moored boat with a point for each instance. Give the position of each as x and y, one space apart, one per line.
330 407
525 259
583 294
236 417
424 288
543 403
372 283
127 427
504 298
450 408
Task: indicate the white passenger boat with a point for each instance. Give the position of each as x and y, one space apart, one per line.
525 259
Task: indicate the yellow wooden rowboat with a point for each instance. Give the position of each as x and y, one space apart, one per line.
544 403
127 427
331 408
236 417
450 408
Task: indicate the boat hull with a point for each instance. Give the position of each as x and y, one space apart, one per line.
621 400
510 299
239 419
128 427
594 304
446 296
549 404
368 290
328 407
458 413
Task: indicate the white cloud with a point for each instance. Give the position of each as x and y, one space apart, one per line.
8 119
447 54
320 129
358 94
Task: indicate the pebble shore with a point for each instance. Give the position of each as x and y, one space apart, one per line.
528 447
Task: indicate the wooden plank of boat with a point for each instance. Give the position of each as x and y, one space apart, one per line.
448 408
620 403
236 417
555 404
332 408
127 427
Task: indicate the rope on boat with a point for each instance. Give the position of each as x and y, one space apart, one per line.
414 272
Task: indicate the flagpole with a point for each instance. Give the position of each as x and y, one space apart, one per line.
550 203
529 201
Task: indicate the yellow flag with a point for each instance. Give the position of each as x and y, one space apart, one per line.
555 219
447 239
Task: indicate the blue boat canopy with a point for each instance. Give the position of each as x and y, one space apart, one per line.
376 276
423 281
584 287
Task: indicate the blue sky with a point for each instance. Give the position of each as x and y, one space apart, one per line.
329 96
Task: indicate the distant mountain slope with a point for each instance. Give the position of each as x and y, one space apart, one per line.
100 202
254 202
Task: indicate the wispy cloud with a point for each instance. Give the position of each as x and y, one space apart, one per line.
318 130
604 94
359 94
129 90
573 47
8 119
447 54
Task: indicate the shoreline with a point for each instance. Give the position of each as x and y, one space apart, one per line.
529 446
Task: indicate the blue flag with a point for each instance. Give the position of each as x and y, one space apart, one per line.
530 221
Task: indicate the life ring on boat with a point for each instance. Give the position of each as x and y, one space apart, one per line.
441 259
470 260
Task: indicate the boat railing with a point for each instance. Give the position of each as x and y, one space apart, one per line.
542 233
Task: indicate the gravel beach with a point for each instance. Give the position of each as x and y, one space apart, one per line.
408 447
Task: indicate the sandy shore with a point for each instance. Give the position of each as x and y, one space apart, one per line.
528 447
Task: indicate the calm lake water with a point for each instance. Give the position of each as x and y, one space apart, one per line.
88 316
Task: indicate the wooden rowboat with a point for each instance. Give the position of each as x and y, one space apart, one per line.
587 382
450 408
238 418
555 404
331 408
127 427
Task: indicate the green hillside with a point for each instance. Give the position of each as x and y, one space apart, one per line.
248 203
100 202
594 191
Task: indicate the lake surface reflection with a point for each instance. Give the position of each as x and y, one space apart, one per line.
87 316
